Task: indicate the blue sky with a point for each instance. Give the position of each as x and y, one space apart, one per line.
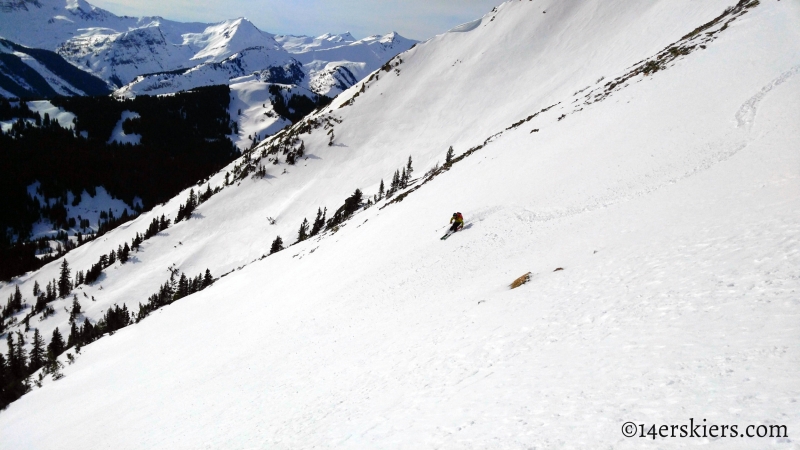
416 19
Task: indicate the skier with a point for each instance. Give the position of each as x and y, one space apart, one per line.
458 222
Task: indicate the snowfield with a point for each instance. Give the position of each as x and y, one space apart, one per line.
670 201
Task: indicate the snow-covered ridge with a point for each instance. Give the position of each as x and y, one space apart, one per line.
673 224
121 49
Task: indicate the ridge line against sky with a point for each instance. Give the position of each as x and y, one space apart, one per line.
415 19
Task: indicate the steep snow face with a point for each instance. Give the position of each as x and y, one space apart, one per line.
326 65
654 165
299 44
251 108
48 23
336 62
28 72
219 41
120 57
276 64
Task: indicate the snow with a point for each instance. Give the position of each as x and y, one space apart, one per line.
671 205
60 86
118 135
258 117
88 207
464 27
63 117
222 40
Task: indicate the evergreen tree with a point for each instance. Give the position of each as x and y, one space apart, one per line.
12 354
448 158
87 332
302 233
191 203
351 205
37 352
74 338
41 303
208 280
183 287
124 253
4 379
409 169
76 309
277 245
381 190
21 371
112 257
36 289
56 346
319 221
64 284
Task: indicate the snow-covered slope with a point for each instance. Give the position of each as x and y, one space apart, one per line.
336 62
29 72
651 158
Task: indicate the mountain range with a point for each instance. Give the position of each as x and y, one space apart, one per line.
153 55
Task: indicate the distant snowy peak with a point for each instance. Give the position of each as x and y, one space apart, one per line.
219 41
268 64
306 44
120 57
155 55
48 23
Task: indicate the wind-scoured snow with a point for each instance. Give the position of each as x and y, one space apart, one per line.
669 204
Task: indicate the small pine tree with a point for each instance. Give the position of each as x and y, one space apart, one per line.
76 309
64 283
183 287
208 280
319 221
36 289
17 299
37 352
124 253
74 337
56 346
277 245
381 191
112 257
409 168
448 158
302 233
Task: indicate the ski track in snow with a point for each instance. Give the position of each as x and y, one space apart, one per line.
747 113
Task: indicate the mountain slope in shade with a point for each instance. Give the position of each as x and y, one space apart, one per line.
636 160
28 72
